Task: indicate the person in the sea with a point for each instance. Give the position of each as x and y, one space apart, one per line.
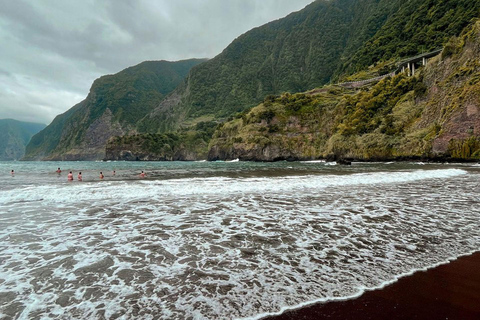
59 171
101 175
79 177
70 176
142 175
113 172
13 173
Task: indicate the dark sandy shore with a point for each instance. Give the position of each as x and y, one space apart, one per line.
450 291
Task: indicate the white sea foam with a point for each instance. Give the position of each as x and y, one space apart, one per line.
127 191
313 161
224 248
360 292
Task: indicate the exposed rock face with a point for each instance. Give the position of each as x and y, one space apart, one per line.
461 126
96 137
457 93
270 152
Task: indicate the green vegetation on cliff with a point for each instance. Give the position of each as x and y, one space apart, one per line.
186 144
323 42
296 53
14 136
113 107
434 114
417 26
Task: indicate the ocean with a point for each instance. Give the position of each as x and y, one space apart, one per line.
222 240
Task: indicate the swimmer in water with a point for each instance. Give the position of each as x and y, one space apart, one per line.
59 171
79 177
113 172
142 175
13 173
101 175
70 176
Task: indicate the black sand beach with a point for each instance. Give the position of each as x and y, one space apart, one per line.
450 291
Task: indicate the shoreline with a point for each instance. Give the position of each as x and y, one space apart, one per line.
341 161
449 290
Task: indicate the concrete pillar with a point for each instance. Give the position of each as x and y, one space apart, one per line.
424 61
413 69
403 69
408 67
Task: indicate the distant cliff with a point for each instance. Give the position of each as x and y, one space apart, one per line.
14 136
433 115
113 107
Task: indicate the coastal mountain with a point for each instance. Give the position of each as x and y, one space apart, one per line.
113 107
432 115
326 42
14 136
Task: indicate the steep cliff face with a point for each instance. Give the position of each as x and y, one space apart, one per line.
113 107
91 145
14 136
455 97
435 114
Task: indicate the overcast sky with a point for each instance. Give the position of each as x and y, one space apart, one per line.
52 50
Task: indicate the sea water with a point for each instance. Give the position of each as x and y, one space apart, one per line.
221 240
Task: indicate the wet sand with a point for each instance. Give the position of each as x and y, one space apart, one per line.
450 291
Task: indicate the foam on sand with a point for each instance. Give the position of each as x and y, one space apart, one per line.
225 248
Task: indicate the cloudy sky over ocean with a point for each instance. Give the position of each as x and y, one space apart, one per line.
52 50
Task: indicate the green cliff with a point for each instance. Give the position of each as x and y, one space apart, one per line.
432 115
113 107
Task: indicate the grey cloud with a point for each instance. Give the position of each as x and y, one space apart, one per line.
53 50
5 73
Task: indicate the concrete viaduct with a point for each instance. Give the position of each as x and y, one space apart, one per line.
409 64
402 66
